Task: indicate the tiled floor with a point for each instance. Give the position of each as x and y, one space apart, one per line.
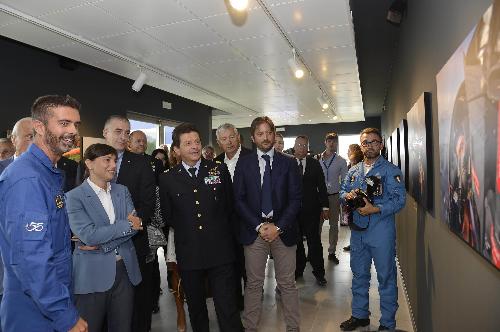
322 309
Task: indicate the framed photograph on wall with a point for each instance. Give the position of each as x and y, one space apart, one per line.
395 147
420 151
468 96
403 151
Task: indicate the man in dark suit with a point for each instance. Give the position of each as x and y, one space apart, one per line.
69 169
197 202
314 208
134 172
138 144
229 141
268 195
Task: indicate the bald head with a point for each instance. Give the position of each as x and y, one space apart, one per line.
138 142
22 135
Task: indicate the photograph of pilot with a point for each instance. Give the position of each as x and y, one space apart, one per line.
419 135
395 147
403 151
468 94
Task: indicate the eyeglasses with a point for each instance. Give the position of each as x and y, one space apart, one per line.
370 143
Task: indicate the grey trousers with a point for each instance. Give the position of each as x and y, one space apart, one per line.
333 216
115 304
284 265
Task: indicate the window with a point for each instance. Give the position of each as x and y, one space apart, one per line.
344 142
158 131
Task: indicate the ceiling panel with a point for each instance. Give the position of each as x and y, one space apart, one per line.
23 31
135 44
6 19
185 34
147 13
263 46
77 21
322 37
39 8
295 15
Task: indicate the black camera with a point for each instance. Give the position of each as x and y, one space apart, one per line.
358 201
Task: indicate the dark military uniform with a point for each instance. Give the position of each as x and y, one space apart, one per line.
199 210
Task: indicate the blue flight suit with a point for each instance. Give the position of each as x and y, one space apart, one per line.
35 246
378 241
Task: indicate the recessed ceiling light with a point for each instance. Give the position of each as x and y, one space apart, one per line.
335 118
239 5
302 115
309 120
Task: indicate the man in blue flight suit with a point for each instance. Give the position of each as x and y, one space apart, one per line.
34 229
373 232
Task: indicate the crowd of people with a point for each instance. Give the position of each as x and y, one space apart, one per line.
79 241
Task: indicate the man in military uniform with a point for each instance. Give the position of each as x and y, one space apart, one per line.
34 229
373 235
196 199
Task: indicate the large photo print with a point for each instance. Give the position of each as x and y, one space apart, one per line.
468 94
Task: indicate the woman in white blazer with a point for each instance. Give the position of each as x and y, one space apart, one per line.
105 267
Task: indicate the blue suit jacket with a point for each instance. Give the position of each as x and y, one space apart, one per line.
286 194
95 271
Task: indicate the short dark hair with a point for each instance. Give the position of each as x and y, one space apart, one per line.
95 151
41 109
115 117
183 128
158 151
303 137
356 150
260 120
333 135
279 134
371 131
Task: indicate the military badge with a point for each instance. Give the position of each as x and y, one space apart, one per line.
214 172
59 201
212 179
397 178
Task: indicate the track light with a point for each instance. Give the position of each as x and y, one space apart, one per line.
139 82
335 118
322 101
239 5
294 65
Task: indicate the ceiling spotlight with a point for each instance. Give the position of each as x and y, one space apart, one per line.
335 118
139 82
295 66
322 101
239 5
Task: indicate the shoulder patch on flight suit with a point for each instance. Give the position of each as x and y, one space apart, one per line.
59 201
397 178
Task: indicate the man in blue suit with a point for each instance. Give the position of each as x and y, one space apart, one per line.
268 193
373 235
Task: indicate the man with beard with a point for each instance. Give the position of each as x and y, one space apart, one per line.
268 194
373 232
34 229
134 171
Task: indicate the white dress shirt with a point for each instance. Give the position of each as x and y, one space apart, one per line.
105 198
303 162
197 166
231 163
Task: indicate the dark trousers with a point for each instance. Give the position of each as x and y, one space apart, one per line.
156 282
308 226
113 306
143 303
240 274
221 282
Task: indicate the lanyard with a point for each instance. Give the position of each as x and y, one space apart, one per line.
329 164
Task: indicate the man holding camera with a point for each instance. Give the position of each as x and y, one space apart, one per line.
375 191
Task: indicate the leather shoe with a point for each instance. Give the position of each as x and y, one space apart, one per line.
333 258
383 328
321 281
353 323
